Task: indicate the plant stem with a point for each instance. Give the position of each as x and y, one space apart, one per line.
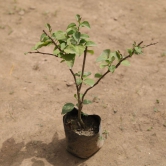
79 100
83 67
78 88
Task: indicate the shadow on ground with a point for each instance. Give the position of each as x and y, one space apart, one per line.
13 154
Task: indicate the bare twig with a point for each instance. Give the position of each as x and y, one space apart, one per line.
74 77
149 45
38 52
140 43
78 94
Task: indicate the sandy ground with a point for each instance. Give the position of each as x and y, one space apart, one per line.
131 102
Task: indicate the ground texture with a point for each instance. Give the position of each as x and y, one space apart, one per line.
131 102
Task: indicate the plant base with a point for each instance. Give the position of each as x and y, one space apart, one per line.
82 143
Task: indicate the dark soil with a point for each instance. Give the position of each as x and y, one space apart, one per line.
91 123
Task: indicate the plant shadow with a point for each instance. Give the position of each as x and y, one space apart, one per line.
54 153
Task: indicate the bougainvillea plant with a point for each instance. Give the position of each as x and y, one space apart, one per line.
72 43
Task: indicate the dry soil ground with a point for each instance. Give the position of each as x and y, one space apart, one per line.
131 102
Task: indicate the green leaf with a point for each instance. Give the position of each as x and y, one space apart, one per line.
60 55
103 65
70 49
84 36
86 74
112 68
71 41
48 26
134 44
125 63
43 37
67 108
71 25
78 81
41 44
89 81
101 58
60 35
87 101
82 42
112 57
78 18
90 43
75 95
110 60
104 55
63 45
90 52
76 105
62 61
79 50
78 74
98 75
69 59
85 24
130 51
76 36
56 51
81 95
118 55
138 50
71 30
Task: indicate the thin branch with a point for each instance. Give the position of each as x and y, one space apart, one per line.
149 45
83 66
128 56
117 65
140 43
74 80
53 41
95 84
38 52
133 52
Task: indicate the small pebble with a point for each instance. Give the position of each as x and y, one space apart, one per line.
70 83
32 8
115 111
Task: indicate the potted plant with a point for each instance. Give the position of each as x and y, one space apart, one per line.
83 132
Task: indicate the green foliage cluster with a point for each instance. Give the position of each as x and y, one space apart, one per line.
69 43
